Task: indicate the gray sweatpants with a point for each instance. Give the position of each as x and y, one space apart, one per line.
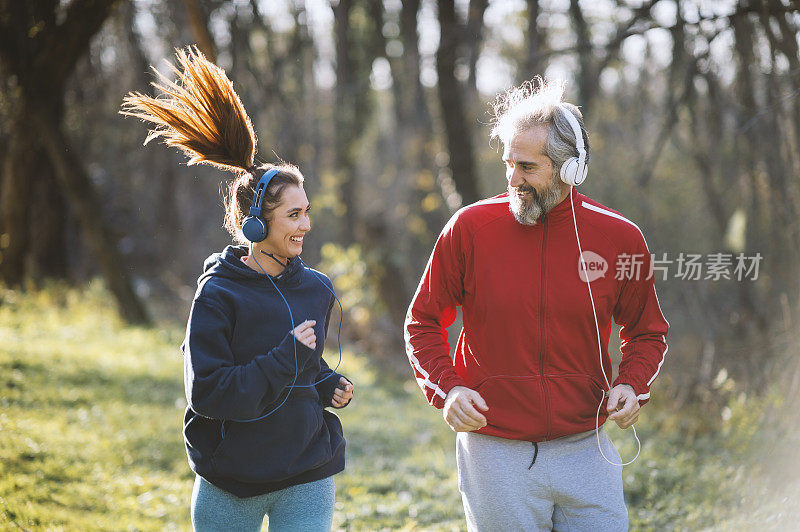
569 487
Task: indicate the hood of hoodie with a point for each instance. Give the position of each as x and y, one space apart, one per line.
228 264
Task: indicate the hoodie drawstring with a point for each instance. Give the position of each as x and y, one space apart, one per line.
535 453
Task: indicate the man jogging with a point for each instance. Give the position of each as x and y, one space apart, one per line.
540 272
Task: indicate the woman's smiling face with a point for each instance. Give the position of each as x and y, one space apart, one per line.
288 223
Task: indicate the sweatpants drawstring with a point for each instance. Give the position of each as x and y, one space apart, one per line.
535 453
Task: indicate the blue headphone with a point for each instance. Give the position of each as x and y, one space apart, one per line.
254 226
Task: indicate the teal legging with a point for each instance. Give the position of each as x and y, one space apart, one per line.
307 507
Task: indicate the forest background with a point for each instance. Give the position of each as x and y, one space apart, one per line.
693 111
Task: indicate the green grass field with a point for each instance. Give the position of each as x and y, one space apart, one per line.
91 411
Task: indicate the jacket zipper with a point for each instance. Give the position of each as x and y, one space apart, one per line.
542 330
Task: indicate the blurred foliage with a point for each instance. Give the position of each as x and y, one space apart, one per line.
359 278
347 269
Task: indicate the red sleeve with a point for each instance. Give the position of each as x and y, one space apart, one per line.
644 328
432 310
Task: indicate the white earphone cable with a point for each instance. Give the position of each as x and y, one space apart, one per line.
599 346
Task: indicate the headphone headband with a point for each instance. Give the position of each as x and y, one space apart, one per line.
576 129
261 191
577 174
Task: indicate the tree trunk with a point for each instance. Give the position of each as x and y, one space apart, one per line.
48 228
161 164
198 22
417 147
451 98
415 103
782 166
756 144
587 76
33 210
296 115
15 200
344 119
760 132
82 197
387 281
355 53
41 50
788 46
473 36
534 62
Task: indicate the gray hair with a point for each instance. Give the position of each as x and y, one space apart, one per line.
534 103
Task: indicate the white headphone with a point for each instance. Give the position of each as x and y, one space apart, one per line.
574 169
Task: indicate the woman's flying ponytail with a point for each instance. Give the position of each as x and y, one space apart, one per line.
200 114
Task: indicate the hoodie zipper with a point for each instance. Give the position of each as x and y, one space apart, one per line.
543 292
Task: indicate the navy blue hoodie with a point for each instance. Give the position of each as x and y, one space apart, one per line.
239 364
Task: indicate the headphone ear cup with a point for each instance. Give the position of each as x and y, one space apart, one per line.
569 172
254 229
581 178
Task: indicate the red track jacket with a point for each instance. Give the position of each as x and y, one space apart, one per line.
529 344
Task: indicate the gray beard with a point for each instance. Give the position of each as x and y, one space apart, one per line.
528 210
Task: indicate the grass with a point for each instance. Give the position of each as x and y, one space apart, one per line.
91 410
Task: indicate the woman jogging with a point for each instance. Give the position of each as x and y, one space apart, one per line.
257 433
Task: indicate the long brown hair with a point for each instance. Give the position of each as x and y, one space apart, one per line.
201 115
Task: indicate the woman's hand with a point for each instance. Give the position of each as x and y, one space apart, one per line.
343 393
305 334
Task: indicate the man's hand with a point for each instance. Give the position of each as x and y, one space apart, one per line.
460 410
623 405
